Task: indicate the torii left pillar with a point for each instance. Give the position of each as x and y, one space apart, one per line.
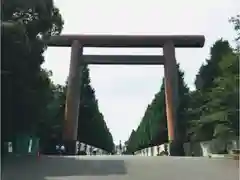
70 125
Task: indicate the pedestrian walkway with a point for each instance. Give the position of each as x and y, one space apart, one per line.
125 167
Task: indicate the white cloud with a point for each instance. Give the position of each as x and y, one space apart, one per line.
124 92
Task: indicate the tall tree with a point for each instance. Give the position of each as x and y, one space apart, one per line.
32 104
92 128
207 73
26 86
152 129
215 103
219 110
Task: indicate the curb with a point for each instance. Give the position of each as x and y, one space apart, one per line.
229 156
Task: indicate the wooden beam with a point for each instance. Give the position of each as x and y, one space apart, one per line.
123 59
144 41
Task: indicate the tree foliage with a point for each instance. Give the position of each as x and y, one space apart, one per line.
25 84
218 111
152 129
92 128
31 103
209 112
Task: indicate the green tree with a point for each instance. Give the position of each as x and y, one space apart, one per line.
130 143
220 112
26 86
214 105
207 73
152 129
92 128
32 104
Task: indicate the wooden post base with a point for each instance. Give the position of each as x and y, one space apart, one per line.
70 147
176 148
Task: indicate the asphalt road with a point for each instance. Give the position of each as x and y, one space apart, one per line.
119 168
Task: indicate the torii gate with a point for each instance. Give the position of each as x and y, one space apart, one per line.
168 43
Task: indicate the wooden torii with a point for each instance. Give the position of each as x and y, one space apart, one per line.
168 43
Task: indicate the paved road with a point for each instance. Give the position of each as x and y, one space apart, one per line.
119 168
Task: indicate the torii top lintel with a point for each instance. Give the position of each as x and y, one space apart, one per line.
147 41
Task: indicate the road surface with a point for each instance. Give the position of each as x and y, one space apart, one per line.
119 168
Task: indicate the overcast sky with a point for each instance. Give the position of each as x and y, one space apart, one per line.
123 92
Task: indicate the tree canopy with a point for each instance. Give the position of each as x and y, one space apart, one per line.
31 103
26 85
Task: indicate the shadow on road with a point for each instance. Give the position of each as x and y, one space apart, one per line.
47 167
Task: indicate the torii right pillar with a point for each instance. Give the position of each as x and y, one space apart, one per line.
172 99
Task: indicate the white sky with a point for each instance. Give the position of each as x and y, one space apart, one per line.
125 91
